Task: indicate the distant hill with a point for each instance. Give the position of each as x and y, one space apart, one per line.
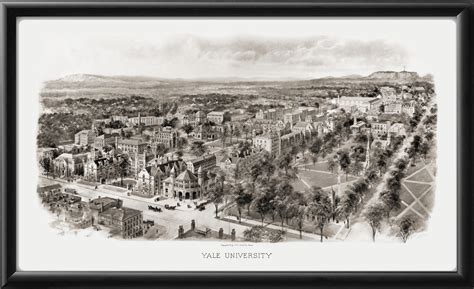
394 75
100 86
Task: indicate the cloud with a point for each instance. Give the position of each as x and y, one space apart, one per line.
314 52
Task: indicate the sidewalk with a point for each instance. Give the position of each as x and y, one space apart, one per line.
251 223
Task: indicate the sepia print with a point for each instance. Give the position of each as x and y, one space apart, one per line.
238 138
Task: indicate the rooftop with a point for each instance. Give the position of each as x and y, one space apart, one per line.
49 188
186 176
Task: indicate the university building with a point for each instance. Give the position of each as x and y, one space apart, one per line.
205 162
68 165
166 136
218 117
132 145
84 137
187 185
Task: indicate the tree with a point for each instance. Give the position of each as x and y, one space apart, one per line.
299 216
391 201
160 149
198 148
216 195
315 147
123 169
424 149
347 207
320 208
262 205
249 196
407 227
283 161
241 198
370 176
281 207
46 163
187 128
356 168
360 188
374 216
332 164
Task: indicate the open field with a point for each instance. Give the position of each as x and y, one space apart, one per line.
319 179
417 194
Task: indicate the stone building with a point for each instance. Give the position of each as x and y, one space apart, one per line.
132 145
84 137
187 185
104 140
126 222
68 165
205 162
101 170
166 136
218 117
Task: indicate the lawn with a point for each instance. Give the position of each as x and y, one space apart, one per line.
416 188
420 209
428 200
322 179
299 186
421 176
113 188
397 212
323 166
406 196
418 165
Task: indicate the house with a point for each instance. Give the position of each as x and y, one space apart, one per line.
393 107
200 117
398 129
205 162
149 181
357 126
132 145
291 139
146 120
388 93
218 117
101 170
380 128
47 190
362 104
104 140
204 133
111 213
269 142
304 127
84 137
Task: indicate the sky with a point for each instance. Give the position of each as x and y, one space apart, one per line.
227 48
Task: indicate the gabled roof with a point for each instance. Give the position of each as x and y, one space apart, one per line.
301 124
49 188
186 176
154 171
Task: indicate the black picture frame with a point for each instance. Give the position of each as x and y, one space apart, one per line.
11 278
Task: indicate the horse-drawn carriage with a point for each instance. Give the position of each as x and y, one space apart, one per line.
155 209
